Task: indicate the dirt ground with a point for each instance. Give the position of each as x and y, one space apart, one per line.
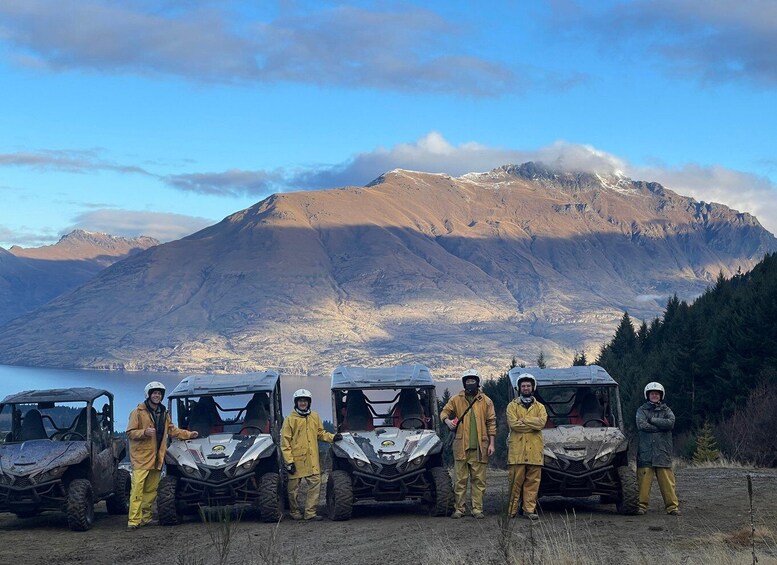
714 528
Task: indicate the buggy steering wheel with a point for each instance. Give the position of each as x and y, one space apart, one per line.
597 421
66 435
411 419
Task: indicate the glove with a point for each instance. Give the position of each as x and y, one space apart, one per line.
291 468
338 437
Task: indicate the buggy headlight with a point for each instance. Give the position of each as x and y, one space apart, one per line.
191 471
605 457
247 466
51 475
418 461
359 463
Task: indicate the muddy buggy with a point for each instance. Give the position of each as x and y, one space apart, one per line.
390 449
61 454
586 450
235 460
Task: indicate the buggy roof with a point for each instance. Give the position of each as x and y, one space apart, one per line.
381 377
80 394
570 376
204 385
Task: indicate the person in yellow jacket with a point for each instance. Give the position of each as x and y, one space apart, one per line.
470 415
299 445
525 417
148 428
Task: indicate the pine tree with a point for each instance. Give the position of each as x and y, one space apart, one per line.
541 360
579 361
706 445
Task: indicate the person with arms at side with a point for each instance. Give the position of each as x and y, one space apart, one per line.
148 429
655 422
300 435
471 417
526 418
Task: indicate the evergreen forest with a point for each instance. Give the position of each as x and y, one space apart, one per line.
717 359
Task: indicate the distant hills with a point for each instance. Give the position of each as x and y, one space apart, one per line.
413 267
30 277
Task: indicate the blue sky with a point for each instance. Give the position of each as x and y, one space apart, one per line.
161 117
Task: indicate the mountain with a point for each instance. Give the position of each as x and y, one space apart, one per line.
413 267
30 277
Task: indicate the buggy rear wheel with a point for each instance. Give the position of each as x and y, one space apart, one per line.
339 496
118 503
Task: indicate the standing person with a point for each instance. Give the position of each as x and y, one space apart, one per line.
655 421
148 427
299 445
470 415
526 417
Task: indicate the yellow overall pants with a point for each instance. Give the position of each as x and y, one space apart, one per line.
142 496
472 470
313 483
666 483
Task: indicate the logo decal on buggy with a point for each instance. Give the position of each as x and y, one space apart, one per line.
218 448
387 443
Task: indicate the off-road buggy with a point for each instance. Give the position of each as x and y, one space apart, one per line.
586 451
235 461
390 449
61 454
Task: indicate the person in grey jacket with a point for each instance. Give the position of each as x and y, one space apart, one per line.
655 421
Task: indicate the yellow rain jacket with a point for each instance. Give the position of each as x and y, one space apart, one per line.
485 418
524 443
143 450
299 443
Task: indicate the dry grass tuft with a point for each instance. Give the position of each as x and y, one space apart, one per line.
720 463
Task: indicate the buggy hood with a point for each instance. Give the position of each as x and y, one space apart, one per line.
581 444
37 455
220 450
389 446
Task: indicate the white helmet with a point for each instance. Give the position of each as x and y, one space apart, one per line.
470 373
154 385
526 377
302 393
654 386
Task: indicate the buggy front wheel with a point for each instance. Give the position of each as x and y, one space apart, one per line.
339 496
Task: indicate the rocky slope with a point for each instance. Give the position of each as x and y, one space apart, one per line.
414 267
30 277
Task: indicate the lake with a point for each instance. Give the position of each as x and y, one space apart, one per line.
127 386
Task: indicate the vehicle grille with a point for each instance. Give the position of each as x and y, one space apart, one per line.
22 482
217 476
576 467
390 471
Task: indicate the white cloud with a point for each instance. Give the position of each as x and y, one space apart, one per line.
133 223
403 48
25 237
742 191
70 161
232 183
712 40
650 297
